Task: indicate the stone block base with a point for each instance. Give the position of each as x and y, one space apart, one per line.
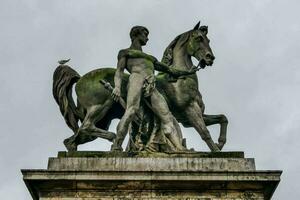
107 176
157 195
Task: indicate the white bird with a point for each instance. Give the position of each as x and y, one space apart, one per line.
62 62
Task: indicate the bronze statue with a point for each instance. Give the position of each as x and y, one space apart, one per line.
176 85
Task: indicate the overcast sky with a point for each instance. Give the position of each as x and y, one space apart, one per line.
254 81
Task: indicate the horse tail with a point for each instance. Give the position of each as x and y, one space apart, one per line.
64 78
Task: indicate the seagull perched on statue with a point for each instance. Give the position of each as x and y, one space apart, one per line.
62 62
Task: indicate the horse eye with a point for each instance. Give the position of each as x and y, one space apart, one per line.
200 38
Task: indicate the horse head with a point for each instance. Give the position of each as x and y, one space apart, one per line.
193 43
198 46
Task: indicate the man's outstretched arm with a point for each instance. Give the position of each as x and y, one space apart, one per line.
162 67
116 93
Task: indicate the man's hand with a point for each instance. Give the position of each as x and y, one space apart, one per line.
173 70
116 93
176 72
194 69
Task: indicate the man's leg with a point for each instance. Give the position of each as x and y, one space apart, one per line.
135 85
161 109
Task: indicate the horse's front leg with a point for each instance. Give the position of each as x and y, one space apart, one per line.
195 118
218 119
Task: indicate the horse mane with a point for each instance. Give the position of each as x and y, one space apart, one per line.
168 53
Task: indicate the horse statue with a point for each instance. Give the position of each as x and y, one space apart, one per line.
96 108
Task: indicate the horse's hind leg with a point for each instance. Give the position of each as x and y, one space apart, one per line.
218 119
94 114
195 118
88 132
72 142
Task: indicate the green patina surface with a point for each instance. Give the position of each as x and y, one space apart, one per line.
106 154
178 84
131 53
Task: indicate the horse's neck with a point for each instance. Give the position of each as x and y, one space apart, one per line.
181 60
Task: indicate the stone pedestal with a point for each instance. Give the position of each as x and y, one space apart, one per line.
107 176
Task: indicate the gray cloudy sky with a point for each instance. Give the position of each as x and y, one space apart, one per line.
254 81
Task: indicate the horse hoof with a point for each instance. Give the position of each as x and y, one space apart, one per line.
116 148
216 148
112 137
220 145
70 145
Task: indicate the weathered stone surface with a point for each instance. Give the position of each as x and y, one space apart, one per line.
158 162
165 195
112 154
109 178
145 100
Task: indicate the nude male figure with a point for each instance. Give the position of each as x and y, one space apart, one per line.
141 84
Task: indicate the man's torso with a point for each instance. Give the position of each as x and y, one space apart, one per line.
138 62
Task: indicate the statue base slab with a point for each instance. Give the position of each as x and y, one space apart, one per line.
122 175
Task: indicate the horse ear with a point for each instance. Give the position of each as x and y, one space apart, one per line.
197 26
204 29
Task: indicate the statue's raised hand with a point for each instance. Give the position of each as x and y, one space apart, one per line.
116 93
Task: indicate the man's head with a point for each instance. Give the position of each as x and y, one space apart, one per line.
139 33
